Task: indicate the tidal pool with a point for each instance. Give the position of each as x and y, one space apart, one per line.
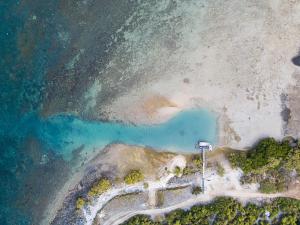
64 133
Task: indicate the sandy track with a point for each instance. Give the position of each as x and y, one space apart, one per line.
120 218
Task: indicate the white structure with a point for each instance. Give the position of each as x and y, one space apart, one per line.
202 145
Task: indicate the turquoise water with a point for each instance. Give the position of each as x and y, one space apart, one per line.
66 133
32 56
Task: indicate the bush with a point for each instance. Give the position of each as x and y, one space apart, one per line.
293 161
80 202
146 185
188 170
197 161
268 154
177 171
100 187
224 210
140 220
196 190
134 176
289 219
220 170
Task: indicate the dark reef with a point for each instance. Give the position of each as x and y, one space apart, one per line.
296 60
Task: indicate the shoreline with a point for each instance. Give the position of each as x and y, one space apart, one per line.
117 154
105 157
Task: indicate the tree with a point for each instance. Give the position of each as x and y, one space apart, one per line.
289 220
177 171
196 190
224 210
80 202
134 176
140 220
197 161
99 187
293 161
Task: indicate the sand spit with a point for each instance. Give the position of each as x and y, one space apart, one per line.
113 162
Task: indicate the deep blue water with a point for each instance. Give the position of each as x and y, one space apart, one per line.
29 48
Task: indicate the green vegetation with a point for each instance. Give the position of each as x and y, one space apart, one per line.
197 161
269 163
267 186
293 160
134 176
195 165
146 185
141 220
224 210
187 170
266 155
220 170
99 187
196 190
80 202
177 171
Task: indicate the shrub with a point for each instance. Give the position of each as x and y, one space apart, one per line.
224 210
140 220
197 161
133 177
266 155
196 190
80 202
293 161
187 171
220 170
146 185
100 187
177 171
289 219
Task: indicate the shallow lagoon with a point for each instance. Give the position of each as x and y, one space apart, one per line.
180 133
31 49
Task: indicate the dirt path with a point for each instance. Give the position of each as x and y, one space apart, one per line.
91 211
121 217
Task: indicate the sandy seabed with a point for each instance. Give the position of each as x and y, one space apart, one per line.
231 57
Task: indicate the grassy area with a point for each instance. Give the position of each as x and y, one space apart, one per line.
224 210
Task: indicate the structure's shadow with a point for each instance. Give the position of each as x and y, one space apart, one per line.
296 60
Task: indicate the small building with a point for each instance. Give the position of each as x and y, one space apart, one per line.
202 145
